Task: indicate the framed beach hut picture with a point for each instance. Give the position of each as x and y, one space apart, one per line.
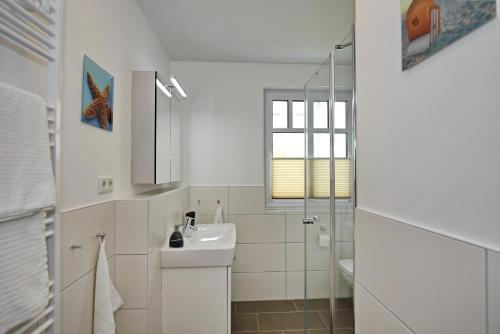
428 26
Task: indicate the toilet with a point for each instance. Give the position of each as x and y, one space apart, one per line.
346 267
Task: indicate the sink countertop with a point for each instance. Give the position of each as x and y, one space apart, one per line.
212 245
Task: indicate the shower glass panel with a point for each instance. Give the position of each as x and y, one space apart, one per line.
329 136
344 143
317 220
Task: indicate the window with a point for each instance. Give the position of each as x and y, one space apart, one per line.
285 146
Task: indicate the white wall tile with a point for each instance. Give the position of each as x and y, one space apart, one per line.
318 285
258 286
294 256
344 224
131 227
244 205
494 292
77 306
177 204
257 225
338 226
208 197
347 250
259 228
318 258
79 227
111 267
131 321
209 219
295 227
154 316
295 285
131 280
259 258
247 200
157 228
372 318
154 274
420 276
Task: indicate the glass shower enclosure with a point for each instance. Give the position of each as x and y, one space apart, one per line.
329 198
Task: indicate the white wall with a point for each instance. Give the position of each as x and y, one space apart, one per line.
117 36
428 137
427 175
224 117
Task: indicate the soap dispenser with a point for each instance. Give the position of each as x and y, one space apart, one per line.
176 240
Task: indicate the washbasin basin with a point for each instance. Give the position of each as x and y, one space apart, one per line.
212 245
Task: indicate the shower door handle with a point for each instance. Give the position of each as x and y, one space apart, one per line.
310 220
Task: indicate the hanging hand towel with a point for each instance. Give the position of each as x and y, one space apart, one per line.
106 300
24 278
26 177
218 215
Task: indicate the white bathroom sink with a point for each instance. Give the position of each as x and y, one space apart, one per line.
212 245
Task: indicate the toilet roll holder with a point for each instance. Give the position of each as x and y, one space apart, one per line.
310 220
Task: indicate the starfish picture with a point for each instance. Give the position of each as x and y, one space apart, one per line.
99 107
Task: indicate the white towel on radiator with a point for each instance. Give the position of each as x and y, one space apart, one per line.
218 215
26 177
106 300
24 278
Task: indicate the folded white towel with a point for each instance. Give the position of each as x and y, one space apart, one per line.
24 278
218 215
26 178
106 300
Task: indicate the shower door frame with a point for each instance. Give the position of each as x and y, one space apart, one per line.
333 265
353 185
309 217
332 202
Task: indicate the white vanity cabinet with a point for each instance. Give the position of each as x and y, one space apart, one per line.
156 130
196 281
196 300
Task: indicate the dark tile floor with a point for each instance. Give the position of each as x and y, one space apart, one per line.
287 317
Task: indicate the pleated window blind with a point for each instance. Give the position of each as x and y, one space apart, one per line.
288 178
287 149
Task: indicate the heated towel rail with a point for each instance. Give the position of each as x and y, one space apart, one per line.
31 28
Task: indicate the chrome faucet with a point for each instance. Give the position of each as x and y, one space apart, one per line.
189 227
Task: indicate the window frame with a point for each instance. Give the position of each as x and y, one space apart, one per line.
290 95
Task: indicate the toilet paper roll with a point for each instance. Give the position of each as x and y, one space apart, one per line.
324 240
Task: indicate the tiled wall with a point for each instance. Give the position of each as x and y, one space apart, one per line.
78 227
410 280
141 226
269 253
134 230
270 244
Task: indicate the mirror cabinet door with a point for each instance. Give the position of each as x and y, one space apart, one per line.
162 140
175 137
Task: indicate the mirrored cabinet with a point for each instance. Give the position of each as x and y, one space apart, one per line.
156 130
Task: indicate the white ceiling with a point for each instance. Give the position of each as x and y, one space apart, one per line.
270 31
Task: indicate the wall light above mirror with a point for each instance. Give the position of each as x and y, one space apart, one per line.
178 86
163 88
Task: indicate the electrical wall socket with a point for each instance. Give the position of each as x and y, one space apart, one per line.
104 184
